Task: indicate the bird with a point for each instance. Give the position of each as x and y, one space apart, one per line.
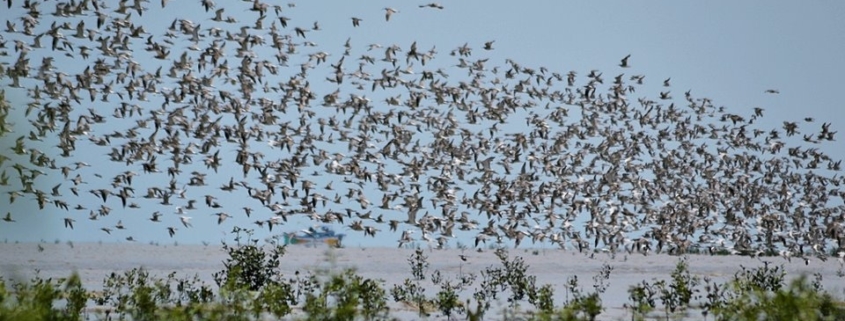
371 231
451 139
156 216
69 222
389 12
406 238
221 216
432 5
186 220
624 62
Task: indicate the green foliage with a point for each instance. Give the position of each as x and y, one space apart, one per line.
249 288
765 278
248 264
752 294
133 293
581 306
419 264
681 289
447 299
543 299
327 294
512 276
798 301
39 299
676 293
373 299
761 294
411 290
275 298
345 296
600 279
714 294
643 301
251 274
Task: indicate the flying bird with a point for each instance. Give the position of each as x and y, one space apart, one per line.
221 216
69 222
186 220
432 5
217 96
388 12
624 63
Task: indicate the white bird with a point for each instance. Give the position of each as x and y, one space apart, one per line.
388 12
406 238
186 220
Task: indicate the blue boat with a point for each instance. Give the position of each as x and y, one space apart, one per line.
313 237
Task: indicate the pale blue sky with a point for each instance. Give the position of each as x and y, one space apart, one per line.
729 51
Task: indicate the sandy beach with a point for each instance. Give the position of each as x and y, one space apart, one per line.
96 261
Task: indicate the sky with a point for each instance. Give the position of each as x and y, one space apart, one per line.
728 51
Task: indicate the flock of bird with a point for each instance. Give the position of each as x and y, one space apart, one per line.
456 144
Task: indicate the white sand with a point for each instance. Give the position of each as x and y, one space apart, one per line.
96 261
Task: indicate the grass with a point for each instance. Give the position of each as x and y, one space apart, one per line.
252 287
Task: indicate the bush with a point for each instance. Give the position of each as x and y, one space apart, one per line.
799 301
37 299
251 288
249 265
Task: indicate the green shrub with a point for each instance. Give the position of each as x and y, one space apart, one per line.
39 299
543 299
250 265
581 306
513 276
799 301
765 278
682 288
643 301
345 296
447 299
752 294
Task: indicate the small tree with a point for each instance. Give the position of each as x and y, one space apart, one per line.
248 264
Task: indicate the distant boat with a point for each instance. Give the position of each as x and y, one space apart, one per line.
314 237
